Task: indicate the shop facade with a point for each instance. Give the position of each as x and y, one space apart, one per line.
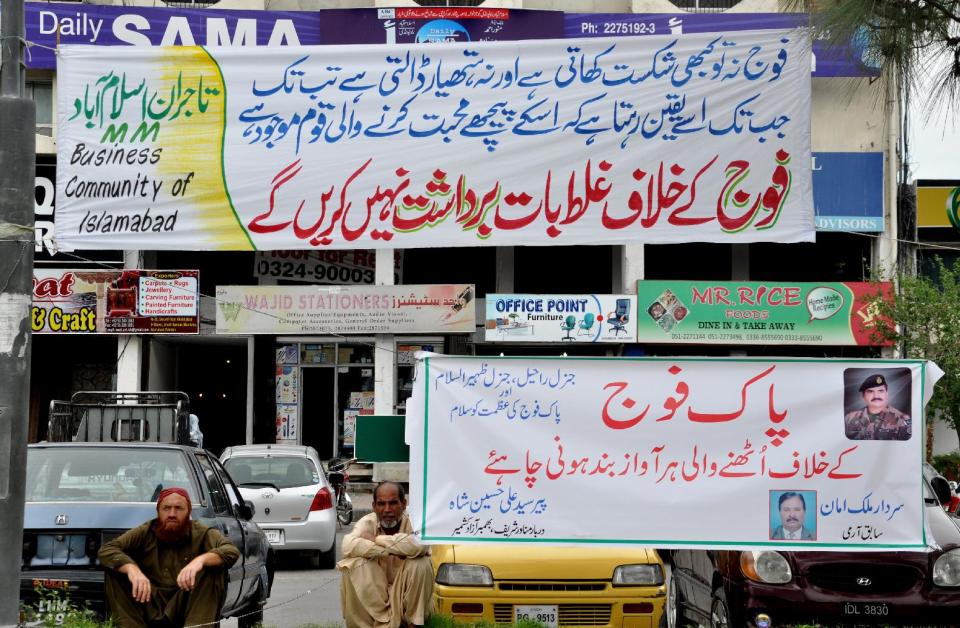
305 379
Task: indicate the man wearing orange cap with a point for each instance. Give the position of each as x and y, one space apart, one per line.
168 571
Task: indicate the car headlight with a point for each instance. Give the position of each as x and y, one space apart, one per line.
946 571
463 575
634 575
765 566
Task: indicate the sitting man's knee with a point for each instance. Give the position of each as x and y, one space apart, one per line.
422 567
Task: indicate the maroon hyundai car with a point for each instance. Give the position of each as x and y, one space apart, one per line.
770 588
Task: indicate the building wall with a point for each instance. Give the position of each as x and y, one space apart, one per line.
849 114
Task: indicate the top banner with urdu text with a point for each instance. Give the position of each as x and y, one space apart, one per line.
702 137
670 452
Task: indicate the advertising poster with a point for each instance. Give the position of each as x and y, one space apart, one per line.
561 318
288 354
505 449
446 308
432 25
350 425
700 137
115 301
751 312
50 24
287 423
848 191
938 203
288 385
53 24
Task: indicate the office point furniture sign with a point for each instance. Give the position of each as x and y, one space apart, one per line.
754 312
655 139
670 452
561 318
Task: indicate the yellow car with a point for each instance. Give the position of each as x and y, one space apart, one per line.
620 587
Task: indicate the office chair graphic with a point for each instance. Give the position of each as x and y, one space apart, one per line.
586 325
619 318
568 325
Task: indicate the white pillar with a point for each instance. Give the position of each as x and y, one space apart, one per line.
885 248
129 346
385 349
631 267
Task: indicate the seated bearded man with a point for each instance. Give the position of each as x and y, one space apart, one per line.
386 574
169 571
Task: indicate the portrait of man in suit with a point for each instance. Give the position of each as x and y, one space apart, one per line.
792 509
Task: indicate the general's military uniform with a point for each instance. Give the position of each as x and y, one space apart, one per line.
161 563
890 424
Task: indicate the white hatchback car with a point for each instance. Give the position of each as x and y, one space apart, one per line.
293 499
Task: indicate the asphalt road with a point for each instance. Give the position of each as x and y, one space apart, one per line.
302 594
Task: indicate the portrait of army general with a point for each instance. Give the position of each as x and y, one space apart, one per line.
877 403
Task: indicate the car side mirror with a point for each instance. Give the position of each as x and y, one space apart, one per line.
941 488
246 510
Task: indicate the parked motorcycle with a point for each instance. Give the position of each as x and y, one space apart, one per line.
338 476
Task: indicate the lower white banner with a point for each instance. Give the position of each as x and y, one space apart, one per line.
661 452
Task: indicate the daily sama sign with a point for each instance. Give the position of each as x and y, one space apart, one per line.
700 137
514 449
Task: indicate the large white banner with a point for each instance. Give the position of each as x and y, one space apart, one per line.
785 453
702 137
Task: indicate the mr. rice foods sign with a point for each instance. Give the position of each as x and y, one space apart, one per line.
752 312
115 301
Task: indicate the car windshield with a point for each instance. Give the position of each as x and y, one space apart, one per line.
278 471
104 474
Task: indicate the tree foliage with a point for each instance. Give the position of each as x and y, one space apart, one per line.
923 319
917 40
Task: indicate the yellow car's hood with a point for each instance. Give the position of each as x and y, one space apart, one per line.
537 562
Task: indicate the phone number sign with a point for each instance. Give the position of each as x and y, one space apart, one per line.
351 267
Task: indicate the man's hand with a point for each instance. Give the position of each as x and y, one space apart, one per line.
139 582
187 578
367 535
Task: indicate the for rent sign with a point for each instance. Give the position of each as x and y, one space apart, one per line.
540 449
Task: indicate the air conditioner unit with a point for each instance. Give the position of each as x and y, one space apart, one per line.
485 4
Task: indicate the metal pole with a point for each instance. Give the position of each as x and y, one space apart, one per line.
17 172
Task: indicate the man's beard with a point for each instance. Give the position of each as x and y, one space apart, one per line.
171 534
